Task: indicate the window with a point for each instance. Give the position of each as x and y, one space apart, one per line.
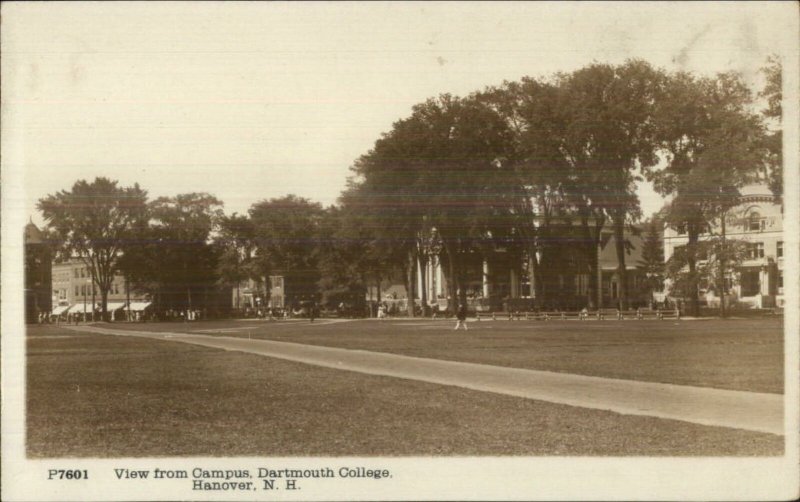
582 284
750 283
754 222
682 229
76 272
779 251
83 290
76 290
83 272
780 283
756 250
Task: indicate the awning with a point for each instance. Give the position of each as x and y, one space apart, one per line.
139 306
79 308
112 306
60 309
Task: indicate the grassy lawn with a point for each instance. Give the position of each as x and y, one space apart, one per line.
107 396
726 354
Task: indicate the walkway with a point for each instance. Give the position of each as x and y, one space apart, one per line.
753 411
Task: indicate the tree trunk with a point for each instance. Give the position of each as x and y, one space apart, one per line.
128 298
423 263
452 286
94 301
379 299
534 278
622 271
722 259
691 248
104 302
590 251
411 259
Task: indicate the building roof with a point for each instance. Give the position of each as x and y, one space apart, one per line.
756 193
608 253
33 235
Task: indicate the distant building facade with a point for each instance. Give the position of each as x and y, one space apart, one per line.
74 293
757 220
502 280
38 279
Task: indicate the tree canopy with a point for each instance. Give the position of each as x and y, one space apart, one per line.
93 222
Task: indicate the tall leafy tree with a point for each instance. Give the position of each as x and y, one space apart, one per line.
713 144
468 185
608 137
773 113
344 259
181 230
651 264
286 238
442 168
92 222
537 202
235 241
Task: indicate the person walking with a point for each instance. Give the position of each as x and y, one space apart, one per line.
461 315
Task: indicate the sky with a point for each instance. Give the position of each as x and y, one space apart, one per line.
250 101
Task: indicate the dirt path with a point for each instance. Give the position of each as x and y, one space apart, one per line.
753 411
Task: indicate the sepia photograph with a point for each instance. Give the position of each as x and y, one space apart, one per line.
400 251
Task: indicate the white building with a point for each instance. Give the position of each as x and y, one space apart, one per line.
758 220
73 292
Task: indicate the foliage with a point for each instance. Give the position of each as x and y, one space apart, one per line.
235 243
442 168
773 94
182 258
93 222
651 264
286 242
713 145
717 260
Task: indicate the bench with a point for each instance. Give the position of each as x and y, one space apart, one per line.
648 314
494 315
628 314
535 316
563 316
604 314
669 314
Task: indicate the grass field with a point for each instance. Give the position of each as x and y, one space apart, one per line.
732 354
105 396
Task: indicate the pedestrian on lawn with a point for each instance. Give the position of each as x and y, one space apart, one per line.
461 315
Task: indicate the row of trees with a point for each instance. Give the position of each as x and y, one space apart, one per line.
526 166
179 248
510 165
